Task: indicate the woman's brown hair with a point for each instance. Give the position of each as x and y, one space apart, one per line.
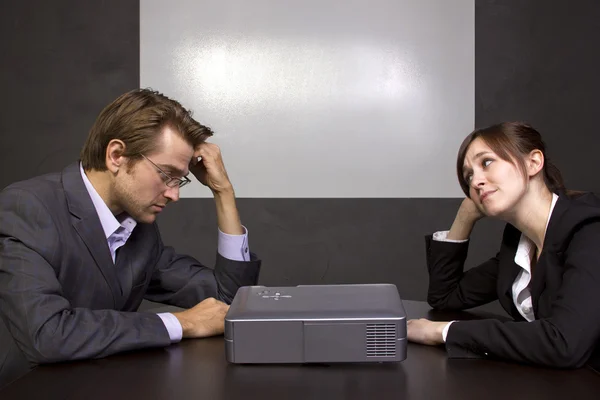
511 141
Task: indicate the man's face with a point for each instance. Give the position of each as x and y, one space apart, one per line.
141 191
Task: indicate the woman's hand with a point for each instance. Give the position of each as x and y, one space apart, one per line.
466 217
469 211
423 331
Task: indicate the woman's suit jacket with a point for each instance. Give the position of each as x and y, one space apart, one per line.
565 291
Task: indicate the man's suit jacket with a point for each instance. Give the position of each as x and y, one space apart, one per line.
565 291
61 295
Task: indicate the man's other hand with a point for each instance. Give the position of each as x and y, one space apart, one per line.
205 319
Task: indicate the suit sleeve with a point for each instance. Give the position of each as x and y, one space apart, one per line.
183 281
566 339
43 323
450 287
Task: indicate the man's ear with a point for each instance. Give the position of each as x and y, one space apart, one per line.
535 162
114 155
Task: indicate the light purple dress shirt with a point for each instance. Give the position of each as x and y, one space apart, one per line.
118 229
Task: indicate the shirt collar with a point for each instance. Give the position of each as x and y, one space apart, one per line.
109 222
526 245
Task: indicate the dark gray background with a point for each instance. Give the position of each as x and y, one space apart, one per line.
62 61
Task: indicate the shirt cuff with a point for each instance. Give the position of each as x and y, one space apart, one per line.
234 247
445 331
442 236
173 326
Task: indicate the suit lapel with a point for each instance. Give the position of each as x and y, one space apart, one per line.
132 261
551 252
508 269
86 222
124 267
539 279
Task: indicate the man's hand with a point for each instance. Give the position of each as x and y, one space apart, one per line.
424 331
206 318
210 170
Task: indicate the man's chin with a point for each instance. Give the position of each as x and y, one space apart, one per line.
150 219
146 218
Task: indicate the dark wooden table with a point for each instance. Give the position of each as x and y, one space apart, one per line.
197 369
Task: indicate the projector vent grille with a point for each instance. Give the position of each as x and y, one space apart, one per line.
381 340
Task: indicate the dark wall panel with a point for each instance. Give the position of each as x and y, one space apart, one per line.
315 241
62 62
538 61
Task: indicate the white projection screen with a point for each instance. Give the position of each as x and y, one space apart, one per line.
320 98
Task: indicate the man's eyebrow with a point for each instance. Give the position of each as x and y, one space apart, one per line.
172 169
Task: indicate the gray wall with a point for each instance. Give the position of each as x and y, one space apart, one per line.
535 60
347 97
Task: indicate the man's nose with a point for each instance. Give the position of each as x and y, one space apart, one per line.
172 193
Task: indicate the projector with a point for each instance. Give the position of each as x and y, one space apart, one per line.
316 324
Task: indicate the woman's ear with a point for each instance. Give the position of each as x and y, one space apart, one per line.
114 155
535 162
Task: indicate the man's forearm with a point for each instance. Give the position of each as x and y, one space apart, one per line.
228 217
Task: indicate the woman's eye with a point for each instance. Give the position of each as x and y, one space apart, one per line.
468 178
485 163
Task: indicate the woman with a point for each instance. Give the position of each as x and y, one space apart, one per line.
547 272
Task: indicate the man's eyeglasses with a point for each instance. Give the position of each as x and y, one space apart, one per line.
169 180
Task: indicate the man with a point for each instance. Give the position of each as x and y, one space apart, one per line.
79 250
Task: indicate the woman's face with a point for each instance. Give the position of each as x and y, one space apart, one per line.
495 185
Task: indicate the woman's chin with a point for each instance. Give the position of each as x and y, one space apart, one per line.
490 211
